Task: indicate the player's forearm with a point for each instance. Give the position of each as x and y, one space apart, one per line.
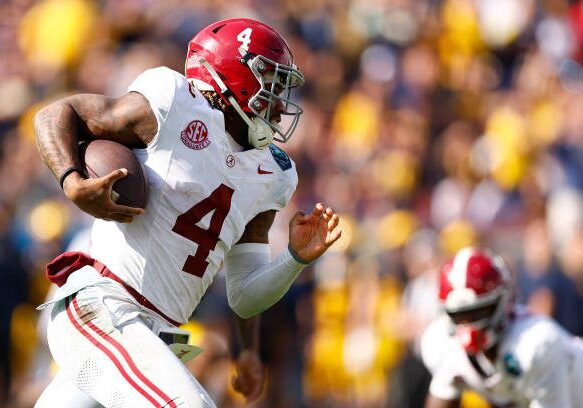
269 283
57 136
254 283
247 332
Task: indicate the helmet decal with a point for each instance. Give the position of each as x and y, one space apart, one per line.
245 38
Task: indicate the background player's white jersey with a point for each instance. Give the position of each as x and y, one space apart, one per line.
538 365
203 192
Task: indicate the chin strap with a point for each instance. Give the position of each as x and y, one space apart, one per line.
259 134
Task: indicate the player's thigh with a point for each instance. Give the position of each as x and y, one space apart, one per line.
63 393
165 370
119 365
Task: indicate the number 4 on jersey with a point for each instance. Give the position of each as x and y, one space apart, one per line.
220 202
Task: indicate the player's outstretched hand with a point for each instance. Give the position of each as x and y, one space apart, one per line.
93 196
250 375
312 234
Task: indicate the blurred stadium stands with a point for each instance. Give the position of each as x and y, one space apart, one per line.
429 125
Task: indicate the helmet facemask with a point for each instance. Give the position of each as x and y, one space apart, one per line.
280 81
276 81
478 328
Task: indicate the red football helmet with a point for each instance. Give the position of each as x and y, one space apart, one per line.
476 290
251 66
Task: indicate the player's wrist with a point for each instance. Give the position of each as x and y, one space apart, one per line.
296 256
67 173
70 184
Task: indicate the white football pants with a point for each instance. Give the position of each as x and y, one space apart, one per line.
109 355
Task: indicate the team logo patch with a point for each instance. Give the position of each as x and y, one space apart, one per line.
230 160
280 157
511 365
195 135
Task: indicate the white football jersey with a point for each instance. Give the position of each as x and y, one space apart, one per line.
203 190
539 365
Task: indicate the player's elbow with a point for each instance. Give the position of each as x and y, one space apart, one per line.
50 113
246 306
245 313
243 309
40 118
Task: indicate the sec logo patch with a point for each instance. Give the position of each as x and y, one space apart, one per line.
195 135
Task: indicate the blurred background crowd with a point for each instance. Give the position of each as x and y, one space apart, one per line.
429 125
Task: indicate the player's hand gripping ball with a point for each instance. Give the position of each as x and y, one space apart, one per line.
101 157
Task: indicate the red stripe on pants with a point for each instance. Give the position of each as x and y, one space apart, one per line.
115 360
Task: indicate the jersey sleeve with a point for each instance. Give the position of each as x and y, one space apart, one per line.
434 355
158 86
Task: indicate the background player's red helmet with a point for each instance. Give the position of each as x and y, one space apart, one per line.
255 64
476 291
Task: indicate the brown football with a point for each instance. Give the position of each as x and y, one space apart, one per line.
101 157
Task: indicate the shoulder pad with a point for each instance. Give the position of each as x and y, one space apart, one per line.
280 157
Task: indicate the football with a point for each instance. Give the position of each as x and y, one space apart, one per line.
101 157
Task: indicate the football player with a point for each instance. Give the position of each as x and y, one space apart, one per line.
216 181
486 343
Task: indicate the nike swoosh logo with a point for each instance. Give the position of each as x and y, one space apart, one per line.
261 171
